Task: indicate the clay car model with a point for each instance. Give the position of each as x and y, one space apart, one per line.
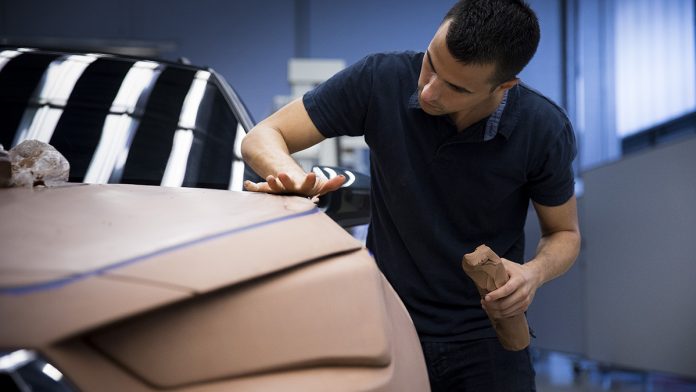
152 271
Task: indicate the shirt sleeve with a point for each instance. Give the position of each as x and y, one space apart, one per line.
338 107
553 182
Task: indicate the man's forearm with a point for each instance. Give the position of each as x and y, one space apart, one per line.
265 150
556 253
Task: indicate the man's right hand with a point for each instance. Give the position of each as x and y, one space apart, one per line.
310 186
267 148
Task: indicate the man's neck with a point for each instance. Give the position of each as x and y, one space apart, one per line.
465 119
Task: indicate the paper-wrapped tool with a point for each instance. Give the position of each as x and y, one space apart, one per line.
487 271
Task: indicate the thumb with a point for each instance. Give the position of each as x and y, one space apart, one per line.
332 184
501 292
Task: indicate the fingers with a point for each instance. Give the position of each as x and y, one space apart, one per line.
272 185
306 188
507 301
275 184
311 186
286 181
502 292
504 309
332 184
257 187
335 182
308 184
513 311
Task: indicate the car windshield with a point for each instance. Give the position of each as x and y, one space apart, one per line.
121 120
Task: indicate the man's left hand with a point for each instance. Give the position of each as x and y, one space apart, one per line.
515 296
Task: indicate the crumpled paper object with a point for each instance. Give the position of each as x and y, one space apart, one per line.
487 271
37 163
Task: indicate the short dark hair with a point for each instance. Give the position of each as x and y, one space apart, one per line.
500 32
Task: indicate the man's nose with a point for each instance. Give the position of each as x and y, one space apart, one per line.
431 90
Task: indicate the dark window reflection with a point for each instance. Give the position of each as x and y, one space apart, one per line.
157 116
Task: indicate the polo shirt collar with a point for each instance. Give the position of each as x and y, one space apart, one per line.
496 123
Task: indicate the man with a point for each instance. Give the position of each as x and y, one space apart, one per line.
458 148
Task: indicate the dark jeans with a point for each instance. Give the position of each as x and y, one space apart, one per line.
478 366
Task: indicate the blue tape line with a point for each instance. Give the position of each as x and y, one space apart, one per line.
54 284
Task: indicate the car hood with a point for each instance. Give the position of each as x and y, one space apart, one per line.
80 256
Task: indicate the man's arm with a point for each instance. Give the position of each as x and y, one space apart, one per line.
558 248
267 148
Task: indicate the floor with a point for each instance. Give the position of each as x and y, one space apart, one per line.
558 372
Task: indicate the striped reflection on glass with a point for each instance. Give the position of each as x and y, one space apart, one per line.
176 165
175 171
7 55
120 126
47 104
237 163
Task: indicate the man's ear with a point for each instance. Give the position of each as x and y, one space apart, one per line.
507 85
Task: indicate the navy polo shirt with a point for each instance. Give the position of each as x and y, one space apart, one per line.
438 193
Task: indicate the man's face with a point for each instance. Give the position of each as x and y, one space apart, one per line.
446 86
